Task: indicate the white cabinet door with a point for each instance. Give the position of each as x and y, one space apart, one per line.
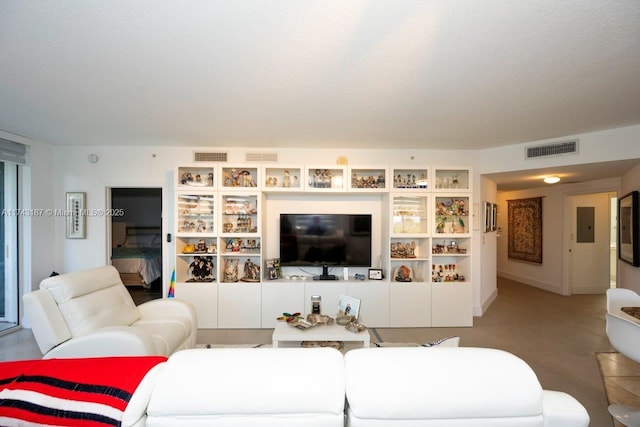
239 305
204 297
374 302
281 297
409 304
452 304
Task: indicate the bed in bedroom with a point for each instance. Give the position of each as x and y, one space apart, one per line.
138 258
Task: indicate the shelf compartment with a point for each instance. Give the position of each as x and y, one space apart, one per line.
452 215
368 179
282 178
195 213
410 179
452 179
197 176
239 214
196 269
325 179
239 177
409 215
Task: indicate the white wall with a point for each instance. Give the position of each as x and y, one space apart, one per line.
629 276
552 274
486 245
60 169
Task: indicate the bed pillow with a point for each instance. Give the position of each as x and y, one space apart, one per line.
141 241
157 241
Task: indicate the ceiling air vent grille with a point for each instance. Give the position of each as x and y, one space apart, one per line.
555 149
200 156
261 157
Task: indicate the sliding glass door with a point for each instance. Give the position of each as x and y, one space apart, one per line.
9 246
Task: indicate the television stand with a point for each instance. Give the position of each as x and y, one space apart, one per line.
325 277
325 274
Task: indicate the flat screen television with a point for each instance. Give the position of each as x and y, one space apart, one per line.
325 239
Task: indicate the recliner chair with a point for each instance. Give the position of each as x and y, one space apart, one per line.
623 331
90 313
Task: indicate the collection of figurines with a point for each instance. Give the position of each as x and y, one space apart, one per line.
238 178
287 181
231 273
321 178
239 208
367 182
200 248
196 179
449 216
244 224
400 250
445 273
451 248
198 226
239 245
410 181
201 269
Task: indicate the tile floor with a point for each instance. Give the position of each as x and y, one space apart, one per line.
559 336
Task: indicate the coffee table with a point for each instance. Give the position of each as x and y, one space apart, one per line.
284 333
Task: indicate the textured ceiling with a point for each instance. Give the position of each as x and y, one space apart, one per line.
463 74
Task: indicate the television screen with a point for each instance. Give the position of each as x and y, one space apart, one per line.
319 239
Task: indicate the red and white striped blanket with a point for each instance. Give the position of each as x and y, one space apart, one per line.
70 392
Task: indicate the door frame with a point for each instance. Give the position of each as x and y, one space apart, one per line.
566 239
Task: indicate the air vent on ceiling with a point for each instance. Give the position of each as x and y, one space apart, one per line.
207 156
554 149
261 157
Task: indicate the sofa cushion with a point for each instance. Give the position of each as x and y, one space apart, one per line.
168 335
250 387
66 286
105 307
472 383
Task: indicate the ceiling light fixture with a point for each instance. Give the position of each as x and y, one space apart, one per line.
551 179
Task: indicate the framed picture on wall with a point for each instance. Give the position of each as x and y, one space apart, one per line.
76 226
628 232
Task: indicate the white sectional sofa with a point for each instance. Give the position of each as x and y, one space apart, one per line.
383 387
318 387
90 313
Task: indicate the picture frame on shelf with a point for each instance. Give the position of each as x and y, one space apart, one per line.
375 274
76 218
348 306
628 231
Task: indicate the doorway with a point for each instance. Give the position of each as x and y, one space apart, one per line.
589 243
136 240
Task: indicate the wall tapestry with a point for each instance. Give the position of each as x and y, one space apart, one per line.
525 229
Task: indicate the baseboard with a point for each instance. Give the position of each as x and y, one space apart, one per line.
479 311
535 283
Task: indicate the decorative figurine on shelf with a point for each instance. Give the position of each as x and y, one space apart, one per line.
201 248
403 274
231 270
251 272
212 249
210 179
201 269
286 182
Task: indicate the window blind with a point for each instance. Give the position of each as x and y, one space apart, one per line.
12 151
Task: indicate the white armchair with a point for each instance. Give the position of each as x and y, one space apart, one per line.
91 314
623 331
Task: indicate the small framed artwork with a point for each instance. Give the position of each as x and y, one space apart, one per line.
76 218
349 306
487 216
375 274
628 232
